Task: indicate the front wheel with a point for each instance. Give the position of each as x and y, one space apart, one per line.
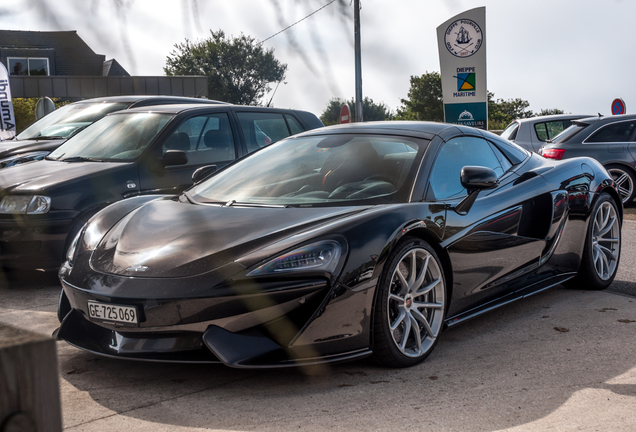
410 305
601 253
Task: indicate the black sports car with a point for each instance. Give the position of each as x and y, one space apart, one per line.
337 244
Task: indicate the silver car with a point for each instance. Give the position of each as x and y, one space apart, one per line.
532 133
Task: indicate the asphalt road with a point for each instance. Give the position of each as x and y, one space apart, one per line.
508 370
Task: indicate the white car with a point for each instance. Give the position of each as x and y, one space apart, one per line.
532 133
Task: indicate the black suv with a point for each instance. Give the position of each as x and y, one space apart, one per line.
610 140
131 152
52 130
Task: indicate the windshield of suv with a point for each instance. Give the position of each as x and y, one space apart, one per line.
314 170
117 137
66 121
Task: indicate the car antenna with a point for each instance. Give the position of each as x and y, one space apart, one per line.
272 98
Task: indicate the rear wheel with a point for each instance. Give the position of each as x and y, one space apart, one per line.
601 254
410 305
625 180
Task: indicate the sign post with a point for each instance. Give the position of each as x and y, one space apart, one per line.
462 57
618 106
345 114
7 117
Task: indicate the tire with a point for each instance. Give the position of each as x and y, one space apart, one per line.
601 253
625 180
409 306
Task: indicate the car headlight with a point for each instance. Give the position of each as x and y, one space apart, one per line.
22 158
25 204
320 256
70 254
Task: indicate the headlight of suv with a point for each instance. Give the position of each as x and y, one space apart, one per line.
320 256
25 204
22 158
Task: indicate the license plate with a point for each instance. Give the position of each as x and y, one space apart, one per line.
113 313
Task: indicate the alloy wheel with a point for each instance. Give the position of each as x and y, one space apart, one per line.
416 302
624 182
606 242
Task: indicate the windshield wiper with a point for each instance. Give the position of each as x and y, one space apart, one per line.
231 203
79 159
48 137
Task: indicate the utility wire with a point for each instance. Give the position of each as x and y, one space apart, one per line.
302 19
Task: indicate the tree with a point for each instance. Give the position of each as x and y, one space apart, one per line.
239 70
551 111
424 100
372 111
502 112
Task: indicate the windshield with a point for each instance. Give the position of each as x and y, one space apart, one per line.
510 132
568 133
318 170
65 121
117 137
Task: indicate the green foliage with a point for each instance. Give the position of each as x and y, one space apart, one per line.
24 109
551 111
424 100
371 111
239 69
502 112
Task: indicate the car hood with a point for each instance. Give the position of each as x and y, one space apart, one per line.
42 176
168 238
17 147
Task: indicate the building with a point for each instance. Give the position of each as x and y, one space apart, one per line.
60 64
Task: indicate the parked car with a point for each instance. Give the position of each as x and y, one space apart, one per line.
127 153
336 244
532 133
610 140
52 130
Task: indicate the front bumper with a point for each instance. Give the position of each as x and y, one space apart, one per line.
38 242
231 325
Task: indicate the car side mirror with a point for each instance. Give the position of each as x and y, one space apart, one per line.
174 157
202 173
475 179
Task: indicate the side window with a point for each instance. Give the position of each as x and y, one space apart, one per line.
541 131
549 130
456 154
293 124
617 132
262 129
205 139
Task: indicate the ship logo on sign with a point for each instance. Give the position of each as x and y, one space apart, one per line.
465 116
465 81
463 38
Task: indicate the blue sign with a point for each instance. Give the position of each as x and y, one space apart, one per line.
473 114
618 107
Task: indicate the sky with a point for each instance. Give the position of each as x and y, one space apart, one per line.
574 55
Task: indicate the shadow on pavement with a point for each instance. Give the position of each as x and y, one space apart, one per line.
507 368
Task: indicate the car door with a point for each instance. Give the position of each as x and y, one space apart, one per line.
208 139
502 234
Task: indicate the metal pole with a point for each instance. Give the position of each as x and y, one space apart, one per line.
356 23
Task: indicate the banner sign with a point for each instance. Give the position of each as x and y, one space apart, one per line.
7 117
462 56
